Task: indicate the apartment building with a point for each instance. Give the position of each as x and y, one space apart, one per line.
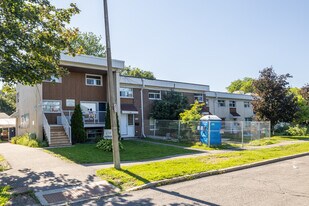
137 96
46 109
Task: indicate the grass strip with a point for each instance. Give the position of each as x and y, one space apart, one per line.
4 195
136 175
133 151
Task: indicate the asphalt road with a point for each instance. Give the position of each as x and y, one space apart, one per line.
283 183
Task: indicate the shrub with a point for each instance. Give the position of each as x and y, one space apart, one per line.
28 140
297 130
25 140
78 130
107 145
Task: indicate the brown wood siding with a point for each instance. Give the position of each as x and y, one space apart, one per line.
73 86
127 100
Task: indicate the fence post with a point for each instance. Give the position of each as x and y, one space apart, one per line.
259 130
209 133
155 128
179 130
269 127
242 134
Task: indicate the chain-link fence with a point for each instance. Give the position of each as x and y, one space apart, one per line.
231 132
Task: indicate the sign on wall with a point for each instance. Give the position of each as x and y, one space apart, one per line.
70 102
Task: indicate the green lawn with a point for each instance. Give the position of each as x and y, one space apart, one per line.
133 151
136 175
4 195
196 145
261 142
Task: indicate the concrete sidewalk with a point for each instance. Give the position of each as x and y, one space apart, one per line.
34 169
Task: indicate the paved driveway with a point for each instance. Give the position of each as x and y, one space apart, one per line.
32 167
283 184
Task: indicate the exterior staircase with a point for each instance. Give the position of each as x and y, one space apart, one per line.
58 137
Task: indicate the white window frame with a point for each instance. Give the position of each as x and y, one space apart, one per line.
54 79
126 92
247 104
199 97
154 92
207 102
48 100
94 75
152 124
221 101
25 122
232 104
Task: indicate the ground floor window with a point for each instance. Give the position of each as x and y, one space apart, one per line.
152 124
94 133
25 121
51 106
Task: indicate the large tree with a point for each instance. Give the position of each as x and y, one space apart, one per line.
8 99
305 93
137 72
302 115
243 85
33 33
274 102
169 108
90 44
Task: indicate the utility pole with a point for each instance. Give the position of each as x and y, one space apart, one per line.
111 92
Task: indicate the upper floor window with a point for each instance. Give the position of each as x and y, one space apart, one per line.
93 80
126 92
246 104
232 104
51 106
221 103
154 94
198 97
54 79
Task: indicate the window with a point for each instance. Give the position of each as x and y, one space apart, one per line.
130 119
246 104
25 121
93 80
126 92
154 94
51 106
248 119
221 103
233 104
152 124
207 102
54 79
198 97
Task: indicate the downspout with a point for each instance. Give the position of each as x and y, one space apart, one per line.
142 107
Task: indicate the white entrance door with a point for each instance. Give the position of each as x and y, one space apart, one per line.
127 127
124 125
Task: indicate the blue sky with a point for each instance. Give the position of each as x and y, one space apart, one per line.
201 41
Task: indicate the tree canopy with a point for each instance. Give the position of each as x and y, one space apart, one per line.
193 114
90 44
137 72
274 102
169 108
8 99
302 115
33 33
244 85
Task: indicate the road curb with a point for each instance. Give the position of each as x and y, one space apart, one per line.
214 172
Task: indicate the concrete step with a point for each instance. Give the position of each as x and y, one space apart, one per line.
60 145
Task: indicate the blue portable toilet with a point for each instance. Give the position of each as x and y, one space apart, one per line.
212 123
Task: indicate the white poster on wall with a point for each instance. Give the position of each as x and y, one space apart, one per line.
70 102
